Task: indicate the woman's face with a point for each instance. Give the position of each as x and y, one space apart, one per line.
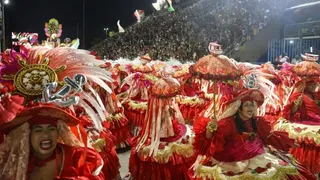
247 110
43 140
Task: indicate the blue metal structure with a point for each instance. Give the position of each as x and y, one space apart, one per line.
292 47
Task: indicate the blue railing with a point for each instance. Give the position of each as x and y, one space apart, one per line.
292 47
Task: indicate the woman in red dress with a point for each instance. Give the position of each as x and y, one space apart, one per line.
40 145
235 146
117 121
302 106
163 149
301 114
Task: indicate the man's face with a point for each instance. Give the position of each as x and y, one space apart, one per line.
43 140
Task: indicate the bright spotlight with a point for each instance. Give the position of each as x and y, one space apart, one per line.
6 1
291 41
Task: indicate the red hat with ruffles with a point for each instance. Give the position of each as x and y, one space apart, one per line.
251 95
13 113
248 95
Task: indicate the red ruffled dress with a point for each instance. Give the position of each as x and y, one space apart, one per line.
107 151
229 154
135 110
162 150
119 124
104 144
304 126
173 160
71 166
192 102
135 104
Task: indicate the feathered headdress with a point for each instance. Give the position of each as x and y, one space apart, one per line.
53 28
260 79
31 69
15 121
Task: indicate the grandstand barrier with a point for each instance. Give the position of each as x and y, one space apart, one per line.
292 47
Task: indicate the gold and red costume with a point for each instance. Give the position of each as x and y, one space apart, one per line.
234 155
163 149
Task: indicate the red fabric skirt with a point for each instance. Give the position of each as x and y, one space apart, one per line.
135 116
120 129
110 157
176 168
190 112
308 155
111 164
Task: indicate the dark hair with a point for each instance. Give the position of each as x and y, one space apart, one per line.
240 124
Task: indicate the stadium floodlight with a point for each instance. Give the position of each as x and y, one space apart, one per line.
6 1
106 29
291 41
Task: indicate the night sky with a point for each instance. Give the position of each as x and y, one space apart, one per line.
31 15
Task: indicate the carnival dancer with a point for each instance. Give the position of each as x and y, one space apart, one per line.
273 110
135 89
266 80
104 143
118 123
144 67
301 114
32 68
163 149
39 143
235 146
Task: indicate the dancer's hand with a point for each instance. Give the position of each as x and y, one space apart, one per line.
272 149
212 126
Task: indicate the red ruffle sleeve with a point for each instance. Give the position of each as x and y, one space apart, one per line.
286 112
209 147
278 139
90 169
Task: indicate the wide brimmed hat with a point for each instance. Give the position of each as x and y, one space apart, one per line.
310 57
146 57
166 88
232 106
37 114
251 95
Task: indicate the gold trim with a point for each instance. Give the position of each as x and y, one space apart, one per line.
22 62
46 61
303 134
212 172
8 77
138 106
61 68
114 117
191 101
163 156
28 69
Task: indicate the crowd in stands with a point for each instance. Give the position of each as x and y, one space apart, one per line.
186 33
